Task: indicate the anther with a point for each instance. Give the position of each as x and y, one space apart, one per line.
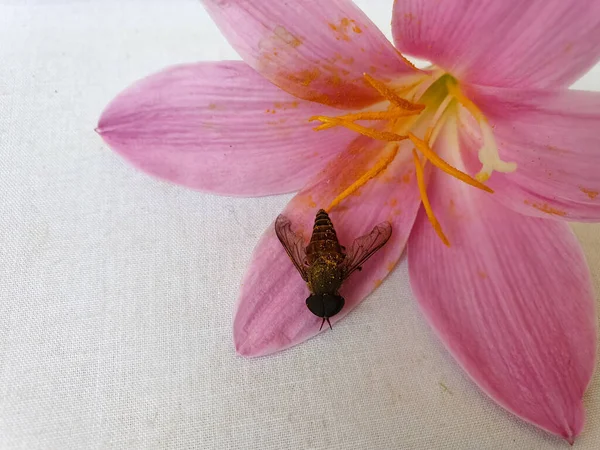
425 199
379 167
329 122
443 165
390 95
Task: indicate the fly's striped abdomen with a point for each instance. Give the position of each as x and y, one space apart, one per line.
324 241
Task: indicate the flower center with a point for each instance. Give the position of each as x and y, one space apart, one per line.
398 119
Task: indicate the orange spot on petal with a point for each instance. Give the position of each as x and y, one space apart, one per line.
335 80
556 149
305 77
546 208
343 28
286 36
285 105
378 283
591 194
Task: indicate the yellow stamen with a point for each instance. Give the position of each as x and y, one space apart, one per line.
427 137
410 90
431 133
378 115
367 115
425 199
391 95
379 167
443 165
455 92
329 122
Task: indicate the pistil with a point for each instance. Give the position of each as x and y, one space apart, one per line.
488 153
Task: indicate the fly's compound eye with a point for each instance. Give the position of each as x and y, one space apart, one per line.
333 304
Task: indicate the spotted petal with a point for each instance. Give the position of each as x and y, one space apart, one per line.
509 43
316 50
271 313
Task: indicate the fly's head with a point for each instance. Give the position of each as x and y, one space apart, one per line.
325 306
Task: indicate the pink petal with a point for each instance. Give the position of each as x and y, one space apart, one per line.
315 50
553 137
220 127
540 43
271 313
512 301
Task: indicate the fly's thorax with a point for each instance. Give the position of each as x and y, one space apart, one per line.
325 275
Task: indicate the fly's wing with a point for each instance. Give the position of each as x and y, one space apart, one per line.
365 246
293 244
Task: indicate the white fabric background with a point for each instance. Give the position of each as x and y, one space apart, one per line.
117 290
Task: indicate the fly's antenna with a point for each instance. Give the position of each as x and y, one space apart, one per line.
328 322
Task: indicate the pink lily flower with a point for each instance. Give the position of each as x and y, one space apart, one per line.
499 276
